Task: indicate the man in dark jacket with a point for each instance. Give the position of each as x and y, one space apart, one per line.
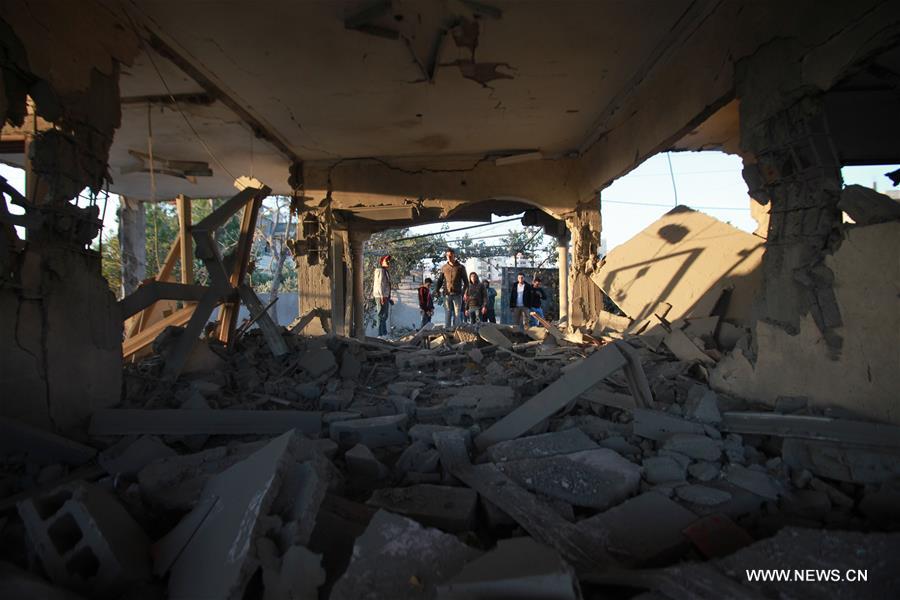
453 283
426 301
520 300
538 295
490 298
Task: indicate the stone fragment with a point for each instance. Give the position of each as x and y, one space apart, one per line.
363 465
418 457
620 445
516 568
476 402
540 446
662 469
424 432
695 446
373 432
753 481
596 478
656 425
704 471
701 494
703 405
318 361
128 457
449 508
399 559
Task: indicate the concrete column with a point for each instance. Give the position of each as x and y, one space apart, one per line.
357 241
132 243
562 260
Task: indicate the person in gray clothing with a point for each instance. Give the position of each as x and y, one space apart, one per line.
453 283
475 299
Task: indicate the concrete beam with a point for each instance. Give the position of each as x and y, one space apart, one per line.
132 244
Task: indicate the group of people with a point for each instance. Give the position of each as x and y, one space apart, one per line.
466 297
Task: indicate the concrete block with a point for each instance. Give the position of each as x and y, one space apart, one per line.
662 469
704 471
596 478
644 528
703 405
449 508
425 432
373 432
476 402
418 457
701 494
517 568
695 446
656 425
128 457
399 559
86 540
753 481
541 446
317 362
363 465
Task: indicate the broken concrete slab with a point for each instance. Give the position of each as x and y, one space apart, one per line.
657 425
492 335
867 206
281 479
476 402
86 540
845 431
399 559
558 394
449 508
694 445
704 470
603 397
119 421
702 405
644 528
541 446
374 432
536 517
685 259
853 464
757 482
663 469
597 478
684 349
40 445
516 568
128 457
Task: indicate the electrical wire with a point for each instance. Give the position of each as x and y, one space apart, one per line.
669 206
424 235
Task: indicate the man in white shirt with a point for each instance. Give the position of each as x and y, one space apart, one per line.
381 292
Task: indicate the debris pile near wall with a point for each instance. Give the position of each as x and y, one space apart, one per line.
477 462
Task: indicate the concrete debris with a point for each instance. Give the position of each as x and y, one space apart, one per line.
868 207
516 568
656 425
399 559
701 494
449 508
757 482
663 469
128 457
477 402
192 422
541 446
693 445
86 540
363 465
374 432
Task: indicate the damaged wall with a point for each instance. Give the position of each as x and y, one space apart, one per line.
865 377
60 328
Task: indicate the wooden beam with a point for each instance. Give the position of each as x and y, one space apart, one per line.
148 316
270 330
143 339
199 317
152 291
228 314
183 205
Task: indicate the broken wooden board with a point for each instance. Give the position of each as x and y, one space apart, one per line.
687 259
492 335
554 397
119 421
813 428
535 516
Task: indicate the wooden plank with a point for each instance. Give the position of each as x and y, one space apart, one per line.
844 431
228 314
117 421
585 549
554 397
149 315
151 291
146 337
186 255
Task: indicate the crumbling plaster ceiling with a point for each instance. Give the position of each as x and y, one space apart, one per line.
329 92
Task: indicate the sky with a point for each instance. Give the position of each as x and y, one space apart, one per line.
707 181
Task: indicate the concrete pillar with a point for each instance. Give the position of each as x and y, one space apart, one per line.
357 240
587 300
132 243
562 260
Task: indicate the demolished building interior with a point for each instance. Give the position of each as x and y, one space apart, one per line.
710 400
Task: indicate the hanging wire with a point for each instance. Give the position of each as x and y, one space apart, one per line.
153 186
672 175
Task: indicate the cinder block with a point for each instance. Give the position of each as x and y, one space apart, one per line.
86 540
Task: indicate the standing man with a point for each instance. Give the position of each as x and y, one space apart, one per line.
490 298
381 291
426 302
453 283
538 295
520 300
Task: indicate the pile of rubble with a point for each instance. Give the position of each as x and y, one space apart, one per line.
472 463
